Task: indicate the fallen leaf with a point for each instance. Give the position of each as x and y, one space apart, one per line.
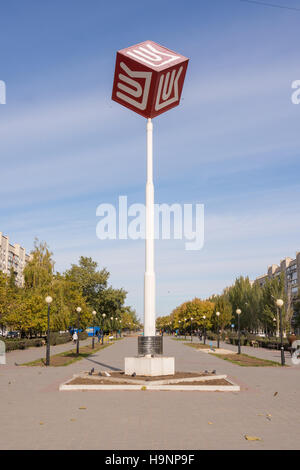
252 438
41 423
82 408
72 419
276 393
209 422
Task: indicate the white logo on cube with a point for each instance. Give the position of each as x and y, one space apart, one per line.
135 89
166 86
151 56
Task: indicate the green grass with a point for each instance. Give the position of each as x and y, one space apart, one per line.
67 357
197 345
244 360
179 339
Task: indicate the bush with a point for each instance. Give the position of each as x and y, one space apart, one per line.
12 345
83 335
212 336
59 338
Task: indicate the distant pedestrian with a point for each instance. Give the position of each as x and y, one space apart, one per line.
75 337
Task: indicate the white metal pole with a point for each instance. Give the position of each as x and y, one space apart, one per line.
149 282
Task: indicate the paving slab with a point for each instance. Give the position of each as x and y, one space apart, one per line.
35 415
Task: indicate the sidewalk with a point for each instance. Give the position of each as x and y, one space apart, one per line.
35 415
20 356
261 353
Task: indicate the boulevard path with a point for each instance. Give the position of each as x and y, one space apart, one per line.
262 353
35 415
31 354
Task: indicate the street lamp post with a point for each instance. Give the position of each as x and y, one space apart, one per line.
204 337
274 324
279 304
238 312
185 328
93 341
218 314
192 329
48 300
111 325
103 316
78 310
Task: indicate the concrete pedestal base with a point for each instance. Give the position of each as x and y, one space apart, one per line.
150 366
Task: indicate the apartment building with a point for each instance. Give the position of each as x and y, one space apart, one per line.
12 256
291 268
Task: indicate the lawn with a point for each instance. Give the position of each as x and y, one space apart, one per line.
68 357
197 345
247 361
179 339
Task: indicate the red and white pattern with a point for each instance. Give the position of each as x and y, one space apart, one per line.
149 78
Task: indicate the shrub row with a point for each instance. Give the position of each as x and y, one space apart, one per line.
232 338
14 344
272 343
55 339
59 338
83 335
214 336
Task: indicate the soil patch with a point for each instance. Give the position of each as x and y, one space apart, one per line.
99 381
129 378
205 382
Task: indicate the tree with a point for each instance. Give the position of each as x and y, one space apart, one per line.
297 313
110 302
240 296
3 299
89 280
66 298
83 285
38 272
181 316
222 305
272 290
12 280
129 319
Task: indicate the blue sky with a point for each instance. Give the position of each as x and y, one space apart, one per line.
233 144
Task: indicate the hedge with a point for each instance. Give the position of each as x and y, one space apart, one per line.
272 343
83 335
13 344
55 338
214 336
59 338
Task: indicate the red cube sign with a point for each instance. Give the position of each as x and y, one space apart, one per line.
149 78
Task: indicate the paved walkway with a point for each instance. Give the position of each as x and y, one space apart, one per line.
19 356
262 353
35 415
